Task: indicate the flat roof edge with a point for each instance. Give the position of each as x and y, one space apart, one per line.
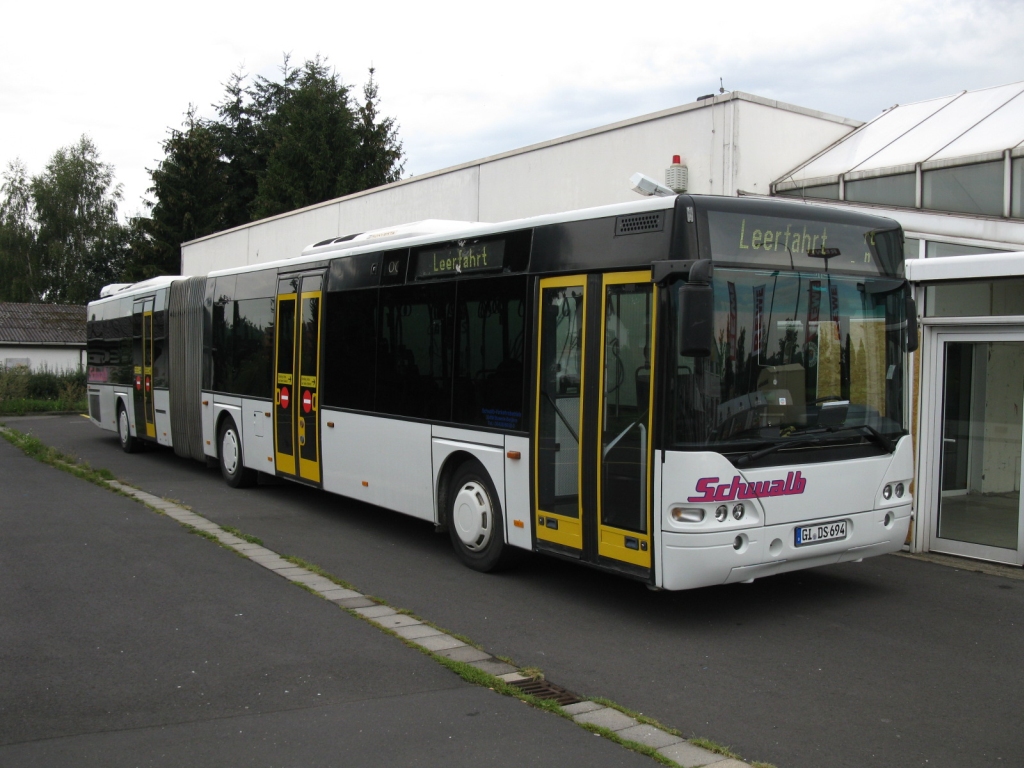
970 267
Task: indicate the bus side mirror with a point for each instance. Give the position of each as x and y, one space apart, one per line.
696 319
912 341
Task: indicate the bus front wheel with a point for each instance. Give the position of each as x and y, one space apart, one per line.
474 519
129 444
229 443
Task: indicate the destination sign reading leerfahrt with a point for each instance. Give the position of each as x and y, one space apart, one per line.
803 244
460 260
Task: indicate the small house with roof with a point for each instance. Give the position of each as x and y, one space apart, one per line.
42 336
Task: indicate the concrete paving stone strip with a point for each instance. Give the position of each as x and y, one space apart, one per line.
415 631
668 745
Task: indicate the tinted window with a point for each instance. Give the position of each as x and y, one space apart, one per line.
414 354
489 353
821 192
900 189
351 349
243 337
966 189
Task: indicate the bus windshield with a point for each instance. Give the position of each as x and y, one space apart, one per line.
796 354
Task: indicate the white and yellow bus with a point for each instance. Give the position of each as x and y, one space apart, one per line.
684 390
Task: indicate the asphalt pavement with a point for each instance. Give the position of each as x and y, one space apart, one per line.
126 641
889 662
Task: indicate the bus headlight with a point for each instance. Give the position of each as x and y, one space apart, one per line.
685 515
722 513
899 490
887 492
737 511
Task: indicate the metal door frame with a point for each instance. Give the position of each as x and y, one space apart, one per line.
932 410
570 532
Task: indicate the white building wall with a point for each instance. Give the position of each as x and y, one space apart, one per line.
768 138
731 142
55 359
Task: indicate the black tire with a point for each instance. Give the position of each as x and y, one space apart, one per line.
475 523
129 443
229 451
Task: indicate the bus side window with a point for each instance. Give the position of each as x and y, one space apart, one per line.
414 353
489 352
350 349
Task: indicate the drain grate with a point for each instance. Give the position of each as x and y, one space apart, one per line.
542 689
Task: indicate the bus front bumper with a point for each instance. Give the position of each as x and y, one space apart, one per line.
704 559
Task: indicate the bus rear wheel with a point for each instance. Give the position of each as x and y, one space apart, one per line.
475 522
129 444
229 445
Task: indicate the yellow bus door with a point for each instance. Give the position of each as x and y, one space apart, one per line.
284 373
296 371
307 411
624 450
559 411
592 430
143 323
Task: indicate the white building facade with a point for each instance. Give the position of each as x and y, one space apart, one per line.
730 142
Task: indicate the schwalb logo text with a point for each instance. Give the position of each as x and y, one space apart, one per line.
737 489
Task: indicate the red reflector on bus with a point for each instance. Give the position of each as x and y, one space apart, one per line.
514 454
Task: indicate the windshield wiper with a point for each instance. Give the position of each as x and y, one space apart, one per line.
864 429
873 434
760 454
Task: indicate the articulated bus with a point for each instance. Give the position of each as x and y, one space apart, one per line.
683 390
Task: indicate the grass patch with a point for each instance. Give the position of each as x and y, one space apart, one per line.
244 536
23 391
22 405
35 448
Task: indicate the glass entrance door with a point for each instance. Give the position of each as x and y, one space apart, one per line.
560 390
624 421
142 320
296 371
982 429
593 423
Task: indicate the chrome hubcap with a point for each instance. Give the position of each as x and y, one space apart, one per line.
229 451
472 516
122 424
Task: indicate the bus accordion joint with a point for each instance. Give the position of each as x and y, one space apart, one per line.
514 455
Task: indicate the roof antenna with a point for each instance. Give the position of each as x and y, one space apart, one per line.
721 86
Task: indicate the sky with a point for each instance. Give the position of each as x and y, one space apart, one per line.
467 80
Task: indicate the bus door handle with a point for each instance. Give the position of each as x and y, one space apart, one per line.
277 396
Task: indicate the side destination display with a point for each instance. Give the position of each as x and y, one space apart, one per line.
479 257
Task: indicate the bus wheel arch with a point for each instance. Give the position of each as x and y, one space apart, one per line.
230 456
474 516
